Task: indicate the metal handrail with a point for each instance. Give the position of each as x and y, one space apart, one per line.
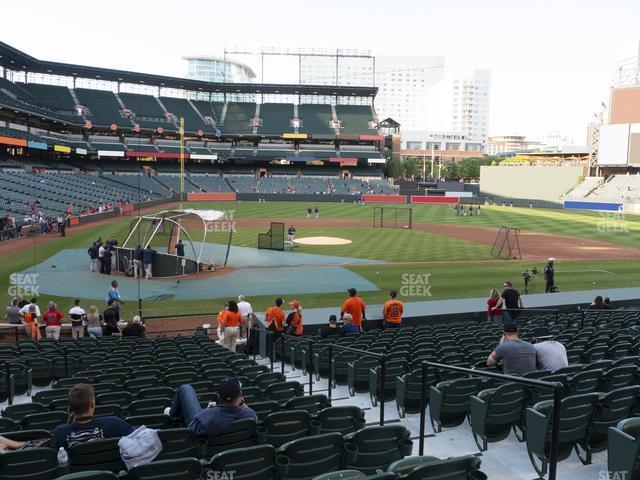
558 393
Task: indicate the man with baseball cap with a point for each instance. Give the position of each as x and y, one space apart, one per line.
550 354
210 422
517 356
354 306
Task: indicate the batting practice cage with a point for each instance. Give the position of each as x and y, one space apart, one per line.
392 217
506 245
273 239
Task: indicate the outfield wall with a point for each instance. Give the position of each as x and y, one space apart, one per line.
546 183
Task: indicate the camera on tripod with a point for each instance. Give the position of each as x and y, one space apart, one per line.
529 277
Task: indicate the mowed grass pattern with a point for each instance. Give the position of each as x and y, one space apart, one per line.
448 280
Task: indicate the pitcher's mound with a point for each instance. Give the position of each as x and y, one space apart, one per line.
322 241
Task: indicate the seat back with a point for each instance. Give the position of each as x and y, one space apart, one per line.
182 468
251 463
177 443
375 448
263 409
618 377
344 419
309 403
96 455
44 420
310 456
283 391
282 427
587 381
241 433
29 464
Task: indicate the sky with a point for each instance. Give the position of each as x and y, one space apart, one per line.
552 61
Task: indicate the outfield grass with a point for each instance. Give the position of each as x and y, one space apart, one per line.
447 280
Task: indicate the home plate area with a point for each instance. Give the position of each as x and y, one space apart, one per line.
322 241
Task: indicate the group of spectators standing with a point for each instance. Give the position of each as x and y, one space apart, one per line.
239 314
101 255
91 322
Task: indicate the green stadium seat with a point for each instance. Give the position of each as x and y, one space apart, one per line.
375 448
310 403
44 420
90 475
344 419
393 369
108 409
150 421
241 433
431 468
283 391
251 463
70 382
179 443
18 411
165 392
41 371
136 384
29 464
285 426
265 379
409 390
96 455
307 457
624 448
576 413
341 363
586 381
495 412
619 377
358 373
263 409
8 425
179 468
612 407
449 401
120 398
148 406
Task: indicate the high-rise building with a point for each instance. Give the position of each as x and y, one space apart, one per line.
218 70
470 104
628 74
403 82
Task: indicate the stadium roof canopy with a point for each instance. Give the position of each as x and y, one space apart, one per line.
13 59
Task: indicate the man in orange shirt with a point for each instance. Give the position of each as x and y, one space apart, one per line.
274 316
392 311
355 307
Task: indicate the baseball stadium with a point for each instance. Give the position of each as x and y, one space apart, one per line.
201 192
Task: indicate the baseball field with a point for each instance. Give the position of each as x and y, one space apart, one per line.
450 252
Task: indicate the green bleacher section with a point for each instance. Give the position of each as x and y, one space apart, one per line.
104 109
148 112
52 96
238 118
14 96
276 118
355 119
209 109
181 108
316 119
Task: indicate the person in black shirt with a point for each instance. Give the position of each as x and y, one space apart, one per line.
134 328
112 243
598 304
106 261
291 232
111 318
94 266
180 248
606 303
332 329
309 213
510 301
548 277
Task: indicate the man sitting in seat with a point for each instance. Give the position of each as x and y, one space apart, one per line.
517 356
550 354
82 427
348 326
211 422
